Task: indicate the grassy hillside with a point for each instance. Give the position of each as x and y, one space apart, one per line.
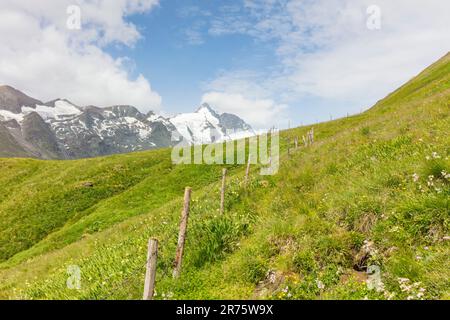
47 204
372 191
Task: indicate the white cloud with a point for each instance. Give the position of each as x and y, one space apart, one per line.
325 50
193 34
40 56
244 82
243 93
357 64
194 37
258 112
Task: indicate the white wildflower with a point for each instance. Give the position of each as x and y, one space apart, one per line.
320 284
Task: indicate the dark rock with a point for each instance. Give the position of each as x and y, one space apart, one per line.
12 99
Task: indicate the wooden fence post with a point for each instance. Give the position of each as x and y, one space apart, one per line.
182 233
289 146
296 142
270 148
311 136
247 171
222 191
150 275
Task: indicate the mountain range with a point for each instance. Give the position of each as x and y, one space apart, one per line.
59 129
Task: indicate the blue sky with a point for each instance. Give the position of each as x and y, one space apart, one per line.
269 61
180 66
181 55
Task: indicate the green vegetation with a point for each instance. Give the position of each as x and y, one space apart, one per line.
373 190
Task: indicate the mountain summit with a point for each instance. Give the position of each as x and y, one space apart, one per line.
205 125
12 100
60 129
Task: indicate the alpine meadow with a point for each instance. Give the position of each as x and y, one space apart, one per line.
363 212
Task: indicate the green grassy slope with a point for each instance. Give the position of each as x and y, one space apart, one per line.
372 191
48 204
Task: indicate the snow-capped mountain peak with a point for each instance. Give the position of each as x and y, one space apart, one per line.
85 131
205 125
205 109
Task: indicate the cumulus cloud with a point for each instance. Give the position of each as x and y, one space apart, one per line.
325 49
44 58
352 62
243 93
258 112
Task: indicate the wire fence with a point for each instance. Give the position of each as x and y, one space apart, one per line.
139 271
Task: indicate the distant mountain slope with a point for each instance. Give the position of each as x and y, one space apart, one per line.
366 204
9 146
12 100
61 130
